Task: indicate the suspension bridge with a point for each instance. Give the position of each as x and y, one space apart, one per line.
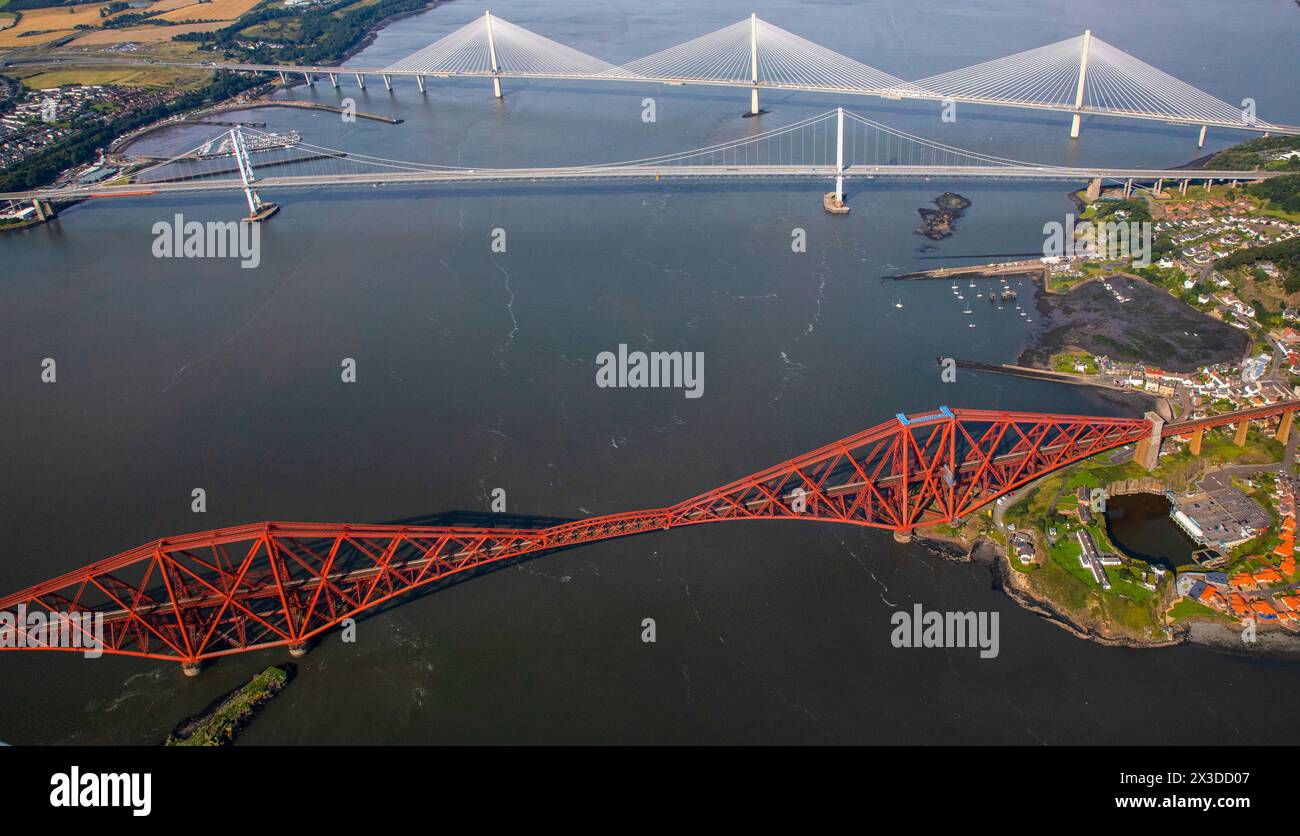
1079 76
281 584
832 146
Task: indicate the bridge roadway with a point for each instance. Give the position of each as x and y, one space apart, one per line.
893 93
632 172
625 524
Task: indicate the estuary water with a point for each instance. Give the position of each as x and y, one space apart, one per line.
476 371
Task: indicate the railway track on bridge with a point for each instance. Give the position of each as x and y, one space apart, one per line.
209 594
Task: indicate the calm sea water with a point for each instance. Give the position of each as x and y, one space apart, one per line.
476 371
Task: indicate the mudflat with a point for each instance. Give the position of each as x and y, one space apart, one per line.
1151 327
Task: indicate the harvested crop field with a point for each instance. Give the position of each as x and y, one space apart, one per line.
216 10
144 34
57 22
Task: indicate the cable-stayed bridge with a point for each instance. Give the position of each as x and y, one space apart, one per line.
832 147
1080 76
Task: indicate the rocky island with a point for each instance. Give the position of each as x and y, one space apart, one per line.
937 224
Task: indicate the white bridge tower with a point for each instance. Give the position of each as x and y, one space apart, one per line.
257 210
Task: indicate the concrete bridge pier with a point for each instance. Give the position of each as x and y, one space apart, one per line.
496 86
334 80
1182 187
1195 444
1128 188
388 82
1159 185
1200 143
284 82
1240 438
1094 188
307 78
361 80
1148 449
1284 428
419 80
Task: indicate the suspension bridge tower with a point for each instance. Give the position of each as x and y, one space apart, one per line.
833 202
1078 91
257 210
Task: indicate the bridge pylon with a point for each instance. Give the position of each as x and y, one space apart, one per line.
492 55
753 63
1078 91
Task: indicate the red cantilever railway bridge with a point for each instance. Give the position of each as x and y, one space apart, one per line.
214 593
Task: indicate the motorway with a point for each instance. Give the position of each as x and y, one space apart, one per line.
631 172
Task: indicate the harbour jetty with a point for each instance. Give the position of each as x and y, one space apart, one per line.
1033 373
1030 267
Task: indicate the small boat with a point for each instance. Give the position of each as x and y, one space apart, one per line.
968 310
972 282
899 303
972 325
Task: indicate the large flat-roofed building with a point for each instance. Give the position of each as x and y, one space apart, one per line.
1224 518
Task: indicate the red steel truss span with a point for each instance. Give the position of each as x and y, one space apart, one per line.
214 593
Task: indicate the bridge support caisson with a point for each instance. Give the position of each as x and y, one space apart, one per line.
299 650
1148 449
903 536
191 668
1078 90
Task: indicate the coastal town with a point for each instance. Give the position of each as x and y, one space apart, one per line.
1230 253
